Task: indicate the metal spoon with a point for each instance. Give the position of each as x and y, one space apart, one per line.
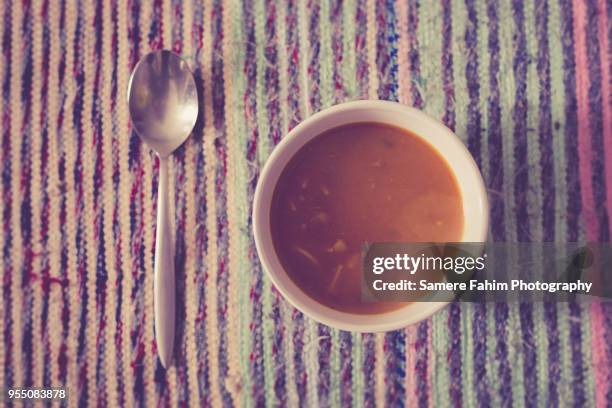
163 104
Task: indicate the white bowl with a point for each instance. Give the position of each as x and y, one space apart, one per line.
471 185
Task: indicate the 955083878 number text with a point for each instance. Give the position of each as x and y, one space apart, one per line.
34 394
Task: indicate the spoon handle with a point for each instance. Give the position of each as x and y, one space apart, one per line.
164 290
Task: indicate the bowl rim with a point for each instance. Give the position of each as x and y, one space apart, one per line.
287 148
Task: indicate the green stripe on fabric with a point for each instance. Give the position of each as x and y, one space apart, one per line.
507 99
430 83
557 94
349 63
358 386
326 62
281 34
507 91
263 149
440 372
242 203
483 76
534 193
263 141
587 356
557 104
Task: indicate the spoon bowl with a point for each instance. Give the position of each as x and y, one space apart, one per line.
163 101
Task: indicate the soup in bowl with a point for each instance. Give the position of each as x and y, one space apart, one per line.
357 173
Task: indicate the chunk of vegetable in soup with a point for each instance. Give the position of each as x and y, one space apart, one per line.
358 183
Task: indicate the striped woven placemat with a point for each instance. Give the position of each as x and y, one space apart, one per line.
526 85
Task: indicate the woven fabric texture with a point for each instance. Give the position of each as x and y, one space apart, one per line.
526 85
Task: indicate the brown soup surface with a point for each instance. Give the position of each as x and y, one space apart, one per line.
353 184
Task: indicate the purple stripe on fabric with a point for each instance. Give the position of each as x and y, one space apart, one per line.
414 57
479 336
496 183
7 194
498 227
77 174
314 94
63 352
278 346
548 187
27 273
337 48
176 42
369 369
596 120
575 341
325 346
447 64
501 355
530 358
44 212
117 286
101 269
250 113
521 186
156 40
136 229
494 137
361 53
574 206
474 123
386 50
519 117
545 123
422 361
554 372
454 353
271 77
346 369
202 234
298 356
218 105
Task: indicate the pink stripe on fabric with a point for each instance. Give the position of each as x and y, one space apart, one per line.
606 92
584 138
403 51
601 371
601 362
